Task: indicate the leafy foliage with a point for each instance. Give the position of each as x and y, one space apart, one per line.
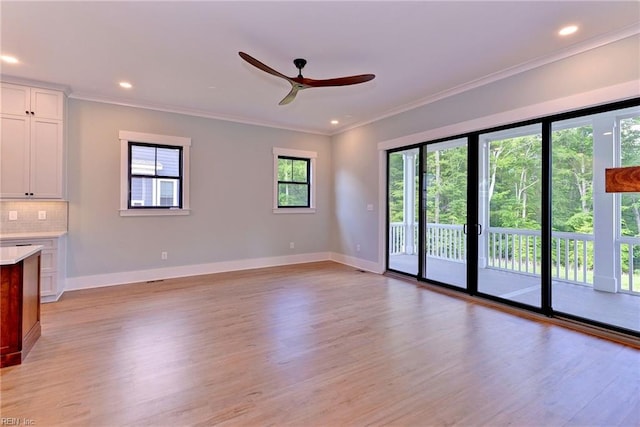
293 183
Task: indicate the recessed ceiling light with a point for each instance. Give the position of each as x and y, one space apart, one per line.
570 29
126 85
334 122
9 59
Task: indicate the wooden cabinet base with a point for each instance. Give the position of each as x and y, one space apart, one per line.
28 342
19 310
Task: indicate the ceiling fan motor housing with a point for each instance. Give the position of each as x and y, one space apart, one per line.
299 63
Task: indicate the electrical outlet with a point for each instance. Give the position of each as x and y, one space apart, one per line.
370 207
357 248
42 215
292 245
13 215
164 255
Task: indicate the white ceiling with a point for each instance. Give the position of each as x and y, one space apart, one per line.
183 56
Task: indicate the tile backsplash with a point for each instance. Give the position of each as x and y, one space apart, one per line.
28 212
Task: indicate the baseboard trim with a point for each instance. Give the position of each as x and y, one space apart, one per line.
121 278
126 277
360 263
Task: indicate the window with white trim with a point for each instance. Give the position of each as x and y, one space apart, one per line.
293 181
154 174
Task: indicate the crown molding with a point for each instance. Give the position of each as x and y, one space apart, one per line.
189 112
35 83
601 96
576 49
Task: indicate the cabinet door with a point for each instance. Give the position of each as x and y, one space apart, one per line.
14 156
46 158
48 284
46 104
30 293
15 100
50 263
10 300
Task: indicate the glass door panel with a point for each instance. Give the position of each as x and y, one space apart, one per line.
402 175
595 235
445 212
509 213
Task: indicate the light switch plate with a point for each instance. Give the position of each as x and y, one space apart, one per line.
370 207
42 214
13 215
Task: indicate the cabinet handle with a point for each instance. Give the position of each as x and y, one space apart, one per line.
31 194
26 112
32 113
26 194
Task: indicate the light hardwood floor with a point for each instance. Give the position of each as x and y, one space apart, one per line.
317 344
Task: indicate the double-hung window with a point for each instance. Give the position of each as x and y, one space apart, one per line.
293 182
154 174
294 190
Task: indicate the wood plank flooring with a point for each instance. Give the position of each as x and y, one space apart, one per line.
317 344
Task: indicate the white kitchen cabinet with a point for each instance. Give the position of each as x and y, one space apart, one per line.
31 143
52 263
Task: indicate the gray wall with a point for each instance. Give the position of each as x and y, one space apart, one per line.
231 174
231 194
355 154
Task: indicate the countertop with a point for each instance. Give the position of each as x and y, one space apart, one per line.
33 235
14 254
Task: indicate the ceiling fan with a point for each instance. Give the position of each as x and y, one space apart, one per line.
299 83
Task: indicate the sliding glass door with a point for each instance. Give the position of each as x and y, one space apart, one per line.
402 252
509 213
445 212
520 214
595 238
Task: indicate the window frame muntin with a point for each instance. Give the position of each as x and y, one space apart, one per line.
312 156
185 142
131 175
307 183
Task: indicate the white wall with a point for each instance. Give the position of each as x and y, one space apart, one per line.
231 199
359 178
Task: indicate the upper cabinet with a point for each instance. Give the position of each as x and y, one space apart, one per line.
32 142
32 101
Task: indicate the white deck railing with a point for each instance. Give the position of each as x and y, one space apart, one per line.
519 250
443 240
628 246
398 241
446 241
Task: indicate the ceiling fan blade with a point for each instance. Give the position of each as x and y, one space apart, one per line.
340 81
298 83
253 61
290 96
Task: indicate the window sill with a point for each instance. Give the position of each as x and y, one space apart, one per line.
154 212
294 210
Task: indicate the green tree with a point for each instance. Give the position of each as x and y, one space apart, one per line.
572 179
514 182
446 185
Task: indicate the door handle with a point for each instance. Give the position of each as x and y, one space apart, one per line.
479 229
464 228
